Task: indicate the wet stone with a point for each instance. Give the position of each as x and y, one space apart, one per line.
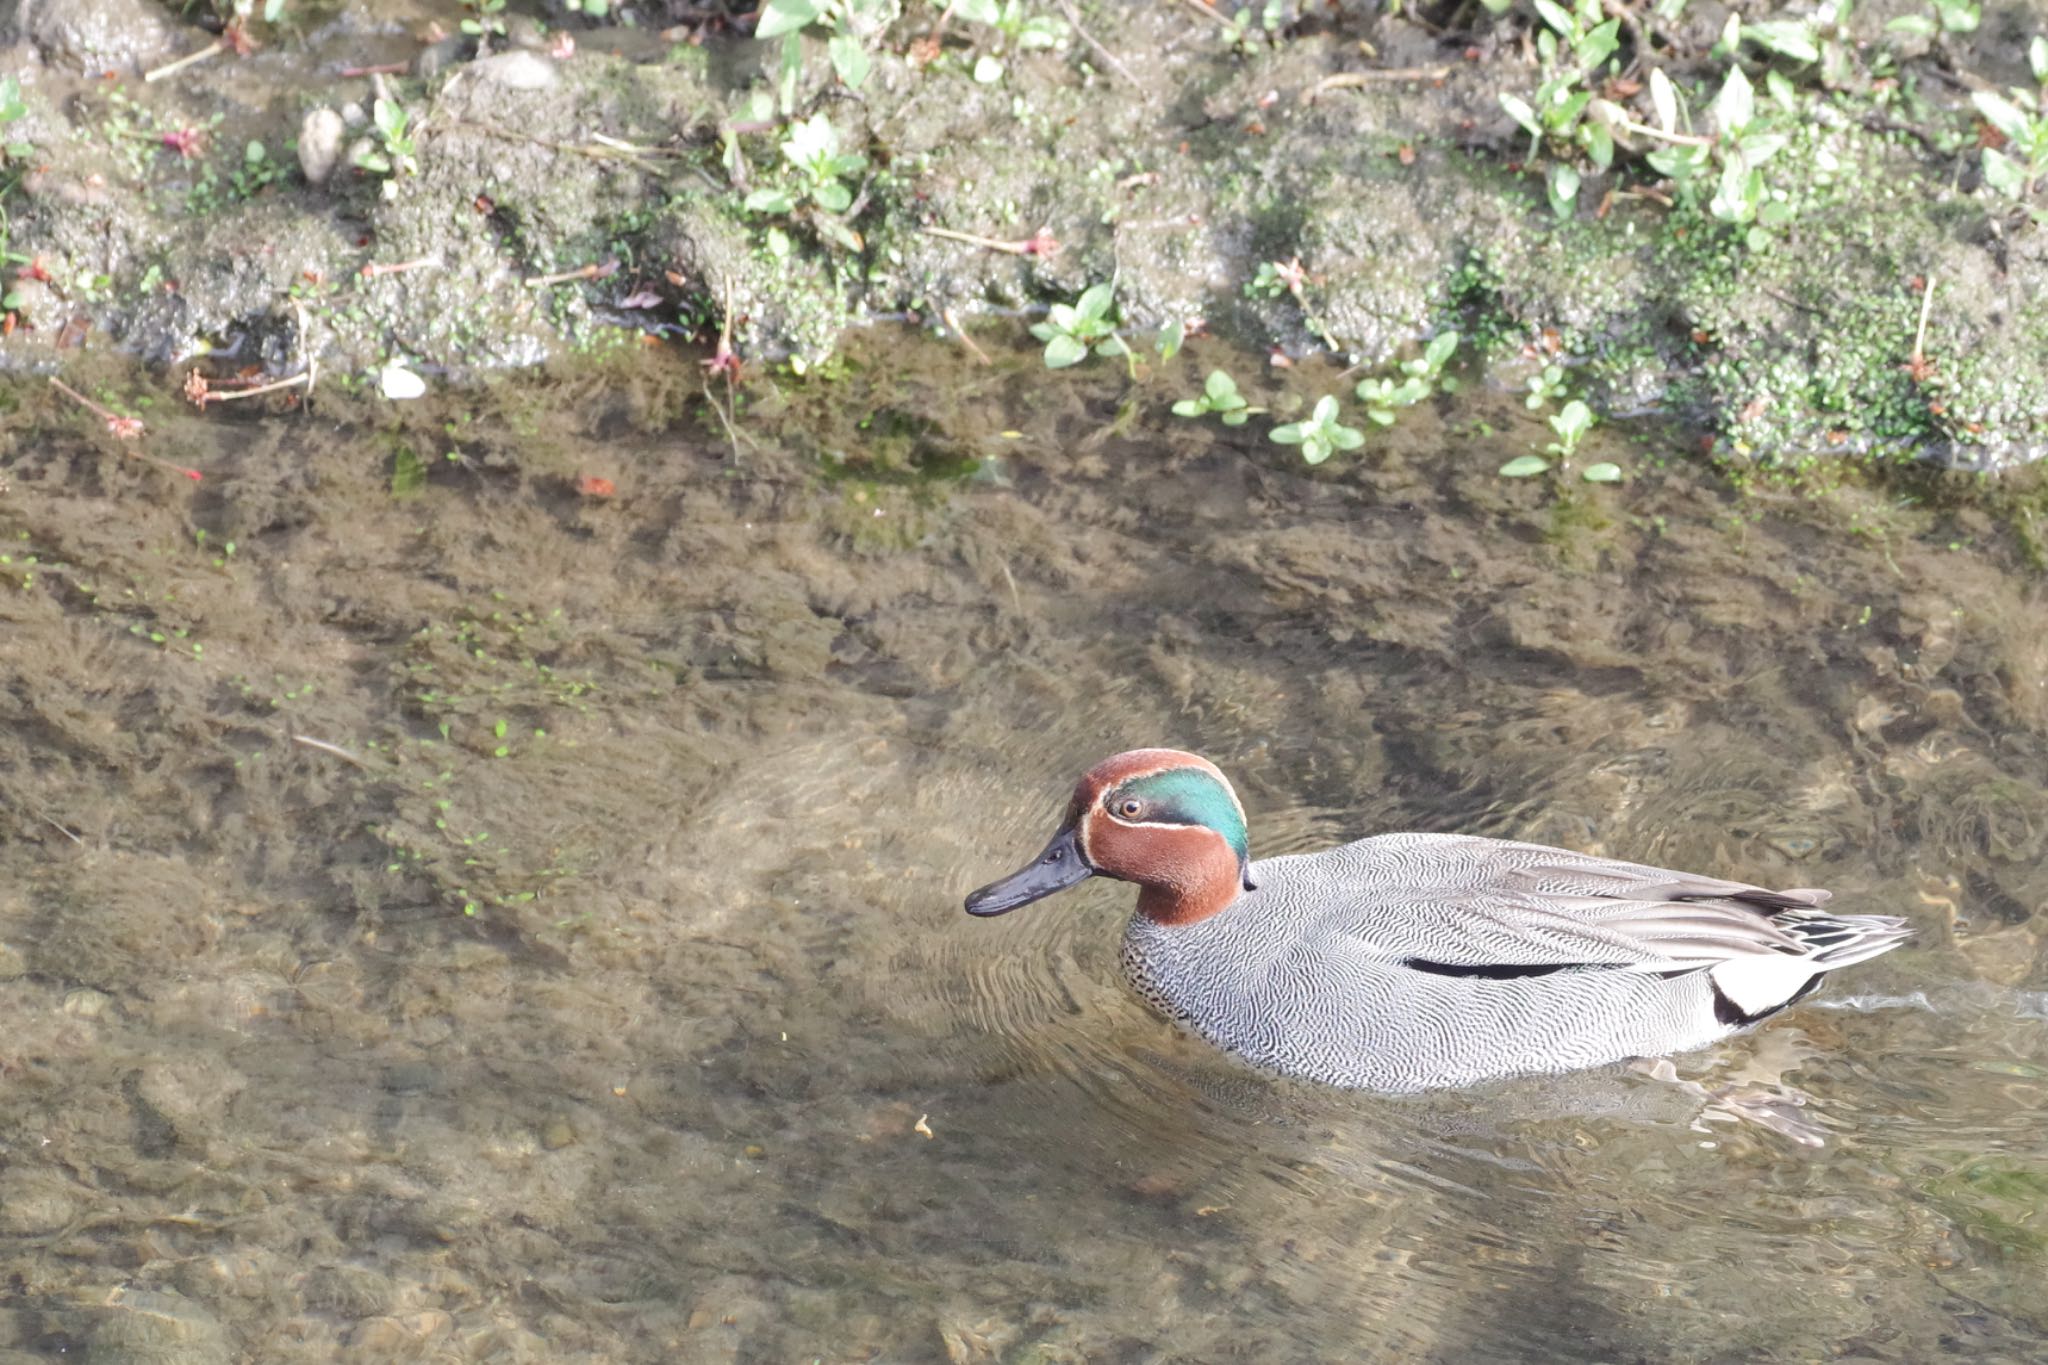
350 1291
92 35
36 1202
190 1091
321 133
398 1338
87 1003
155 1327
409 1078
517 70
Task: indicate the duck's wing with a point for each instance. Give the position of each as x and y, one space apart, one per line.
1464 905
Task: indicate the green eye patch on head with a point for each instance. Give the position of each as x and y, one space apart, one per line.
1186 796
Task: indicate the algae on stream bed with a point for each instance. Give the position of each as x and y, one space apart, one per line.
474 919
1176 173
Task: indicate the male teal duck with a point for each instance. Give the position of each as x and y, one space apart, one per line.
1408 962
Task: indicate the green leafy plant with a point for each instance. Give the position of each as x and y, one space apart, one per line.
1950 16
844 20
485 18
1321 435
392 154
12 110
1267 20
1273 279
1419 378
1746 136
1572 47
1545 386
1569 427
1070 331
1017 28
258 171
813 152
1220 396
2017 169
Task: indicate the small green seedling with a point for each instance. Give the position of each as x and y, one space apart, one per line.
1572 46
1275 278
1950 16
1019 31
1220 396
812 150
1071 330
812 147
1419 379
258 171
1570 427
1269 18
12 108
394 152
1322 435
844 19
1545 387
1745 138
485 18
2018 168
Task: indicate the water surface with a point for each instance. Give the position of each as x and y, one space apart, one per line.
496 922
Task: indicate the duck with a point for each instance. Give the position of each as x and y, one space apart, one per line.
1408 962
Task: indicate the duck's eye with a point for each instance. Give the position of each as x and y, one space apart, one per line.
1131 807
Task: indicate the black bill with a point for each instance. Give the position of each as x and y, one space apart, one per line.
1060 866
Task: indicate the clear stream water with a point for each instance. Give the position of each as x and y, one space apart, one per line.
715 1069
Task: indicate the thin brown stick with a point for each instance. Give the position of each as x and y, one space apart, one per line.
1683 139
1349 80
731 432
584 272
122 428
324 747
372 269
205 393
1037 244
1074 18
52 823
965 340
172 68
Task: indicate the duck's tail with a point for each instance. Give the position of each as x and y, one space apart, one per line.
1750 988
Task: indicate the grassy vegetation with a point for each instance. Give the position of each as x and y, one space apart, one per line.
1642 217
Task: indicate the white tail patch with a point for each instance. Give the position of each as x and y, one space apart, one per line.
1759 985
1756 984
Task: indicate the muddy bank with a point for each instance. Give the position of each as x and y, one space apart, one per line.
560 187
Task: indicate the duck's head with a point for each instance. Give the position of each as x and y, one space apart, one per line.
1164 819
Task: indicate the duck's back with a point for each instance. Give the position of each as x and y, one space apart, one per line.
1412 961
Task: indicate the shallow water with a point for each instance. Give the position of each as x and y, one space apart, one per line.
714 1068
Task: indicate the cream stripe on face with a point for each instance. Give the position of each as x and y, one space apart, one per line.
1115 773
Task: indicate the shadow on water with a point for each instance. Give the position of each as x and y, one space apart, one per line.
442 913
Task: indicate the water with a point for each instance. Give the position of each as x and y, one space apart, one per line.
718 1070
